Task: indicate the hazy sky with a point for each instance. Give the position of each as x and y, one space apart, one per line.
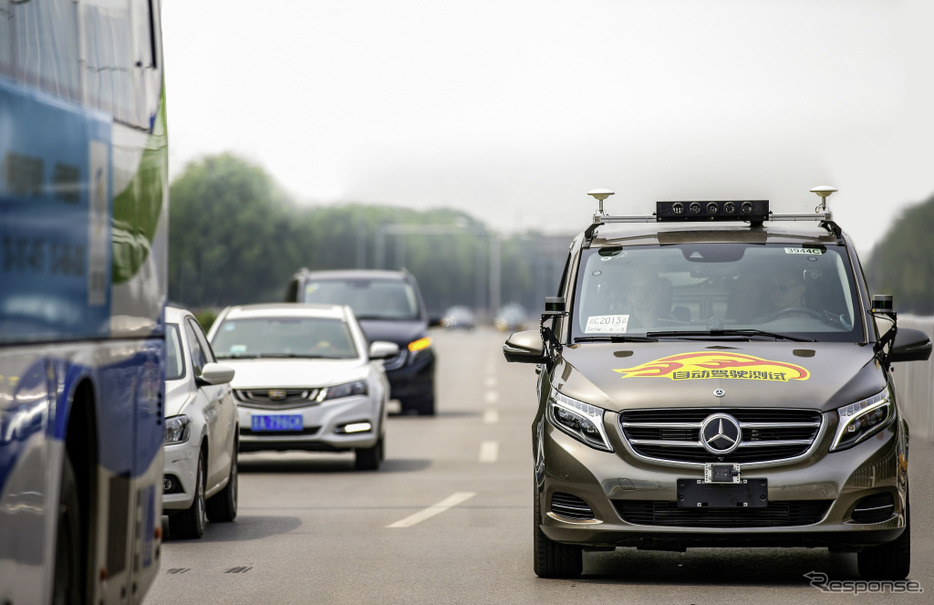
513 110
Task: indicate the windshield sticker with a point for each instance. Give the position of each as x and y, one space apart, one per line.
709 365
804 251
607 324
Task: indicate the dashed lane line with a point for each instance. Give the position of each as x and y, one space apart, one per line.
445 505
489 451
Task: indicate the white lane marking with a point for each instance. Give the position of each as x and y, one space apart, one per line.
491 417
490 382
491 397
445 505
489 451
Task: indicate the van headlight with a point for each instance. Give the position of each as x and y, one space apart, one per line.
858 421
580 420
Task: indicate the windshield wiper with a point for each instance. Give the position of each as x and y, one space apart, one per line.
744 333
616 338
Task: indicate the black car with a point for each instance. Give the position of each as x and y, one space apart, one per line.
389 306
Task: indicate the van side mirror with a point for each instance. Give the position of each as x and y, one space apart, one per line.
525 347
911 345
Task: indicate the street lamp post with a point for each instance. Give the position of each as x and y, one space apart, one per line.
493 245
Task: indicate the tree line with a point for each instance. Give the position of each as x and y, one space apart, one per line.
235 237
902 263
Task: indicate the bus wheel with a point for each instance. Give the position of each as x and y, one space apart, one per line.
67 578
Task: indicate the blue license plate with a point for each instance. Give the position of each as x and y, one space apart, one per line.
278 422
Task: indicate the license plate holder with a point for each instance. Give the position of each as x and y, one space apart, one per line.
747 493
276 422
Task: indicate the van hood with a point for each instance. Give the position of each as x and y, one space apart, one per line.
293 373
821 376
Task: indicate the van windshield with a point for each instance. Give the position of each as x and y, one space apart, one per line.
804 293
369 298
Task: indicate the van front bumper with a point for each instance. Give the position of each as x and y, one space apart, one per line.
843 500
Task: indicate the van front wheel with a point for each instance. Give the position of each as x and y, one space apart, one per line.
553 559
890 561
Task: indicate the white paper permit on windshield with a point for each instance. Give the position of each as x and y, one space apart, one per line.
606 324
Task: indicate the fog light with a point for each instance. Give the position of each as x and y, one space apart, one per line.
357 427
168 484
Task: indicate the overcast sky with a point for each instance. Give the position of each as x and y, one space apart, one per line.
512 110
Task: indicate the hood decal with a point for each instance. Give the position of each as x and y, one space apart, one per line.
704 365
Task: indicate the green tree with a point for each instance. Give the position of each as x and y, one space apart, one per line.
236 238
230 234
902 263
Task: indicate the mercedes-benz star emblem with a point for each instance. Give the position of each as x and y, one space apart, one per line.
720 434
719 392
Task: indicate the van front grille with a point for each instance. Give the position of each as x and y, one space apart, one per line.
674 435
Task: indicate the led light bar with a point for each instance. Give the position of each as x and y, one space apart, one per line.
724 210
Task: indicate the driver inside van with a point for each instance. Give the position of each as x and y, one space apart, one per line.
647 299
786 291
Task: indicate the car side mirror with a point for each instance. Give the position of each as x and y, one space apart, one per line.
382 349
214 374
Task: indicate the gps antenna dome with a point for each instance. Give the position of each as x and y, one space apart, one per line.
824 191
600 195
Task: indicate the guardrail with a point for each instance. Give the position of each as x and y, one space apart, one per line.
914 383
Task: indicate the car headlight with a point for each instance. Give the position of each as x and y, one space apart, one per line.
348 389
177 429
858 421
580 420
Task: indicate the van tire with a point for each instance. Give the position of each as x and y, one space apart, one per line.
890 561
553 559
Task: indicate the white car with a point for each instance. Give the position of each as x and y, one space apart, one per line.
306 379
201 431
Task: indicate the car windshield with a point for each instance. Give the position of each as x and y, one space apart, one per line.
301 337
369 298
725 289
174 360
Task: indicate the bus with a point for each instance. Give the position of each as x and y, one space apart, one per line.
83 257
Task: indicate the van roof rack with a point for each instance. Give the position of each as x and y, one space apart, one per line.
754 212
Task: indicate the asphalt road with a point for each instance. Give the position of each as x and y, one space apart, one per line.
448 519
